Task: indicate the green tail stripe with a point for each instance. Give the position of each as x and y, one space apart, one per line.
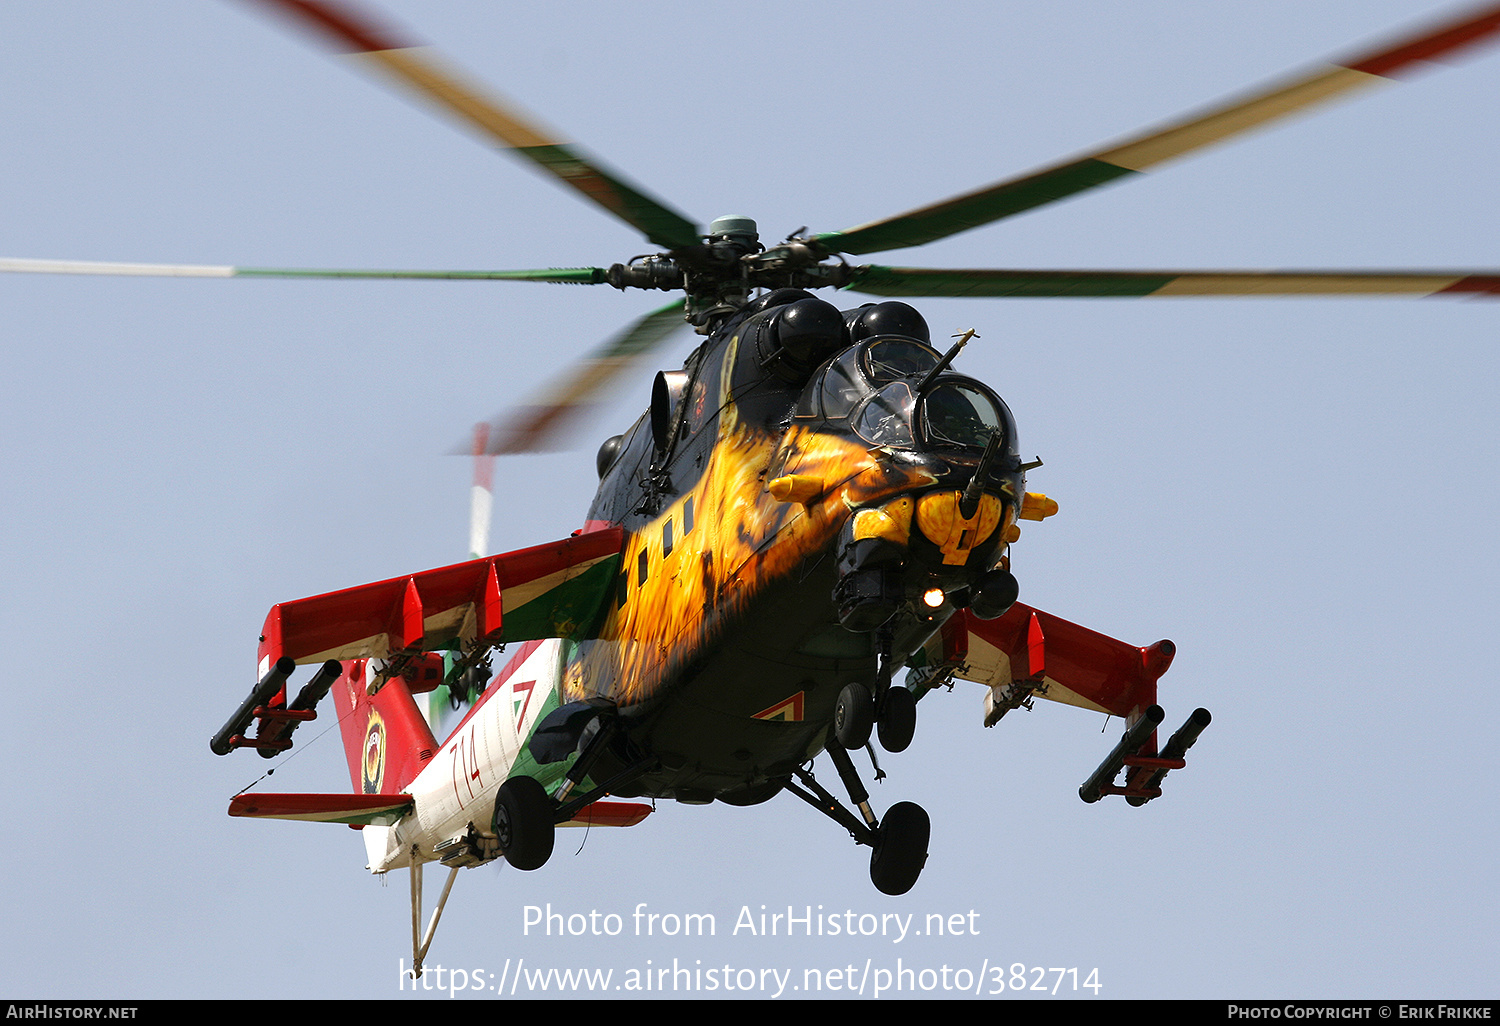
912 281
971 211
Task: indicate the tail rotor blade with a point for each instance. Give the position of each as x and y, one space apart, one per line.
482 496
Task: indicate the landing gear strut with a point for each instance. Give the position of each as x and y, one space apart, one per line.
890 711
899 841
420 941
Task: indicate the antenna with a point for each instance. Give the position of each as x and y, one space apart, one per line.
948 357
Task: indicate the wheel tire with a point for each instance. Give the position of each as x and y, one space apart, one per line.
900 848
523 822
898 719
854 716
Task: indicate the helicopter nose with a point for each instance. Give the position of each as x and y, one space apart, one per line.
941 521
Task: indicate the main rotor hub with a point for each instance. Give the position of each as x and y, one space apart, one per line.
735 228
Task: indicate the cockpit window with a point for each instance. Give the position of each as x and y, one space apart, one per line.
886 418
864 368
894 358
958 415
842 387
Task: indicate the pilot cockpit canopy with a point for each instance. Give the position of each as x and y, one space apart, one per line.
873 386
862 369
956 413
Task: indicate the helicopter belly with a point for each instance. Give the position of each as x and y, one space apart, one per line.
756 698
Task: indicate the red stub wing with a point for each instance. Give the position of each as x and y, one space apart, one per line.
612 814
1028 653
549 591
352 809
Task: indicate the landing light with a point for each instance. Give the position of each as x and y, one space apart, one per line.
933 597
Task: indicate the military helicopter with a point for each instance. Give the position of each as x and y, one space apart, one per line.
817 498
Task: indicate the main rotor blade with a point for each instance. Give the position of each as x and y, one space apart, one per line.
1136 154
540 426
356 32
921 281
563 275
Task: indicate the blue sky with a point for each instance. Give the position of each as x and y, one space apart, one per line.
1299 493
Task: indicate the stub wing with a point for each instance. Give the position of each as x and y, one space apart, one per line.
1028 653
353 809
557 590
548 591
360 810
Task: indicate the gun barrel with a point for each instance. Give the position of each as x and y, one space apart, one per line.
968 503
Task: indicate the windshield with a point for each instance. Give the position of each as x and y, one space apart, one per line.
892 358
861 369
842 388
886 418
957 414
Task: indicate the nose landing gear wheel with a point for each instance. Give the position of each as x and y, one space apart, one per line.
854 716
898 719
900 848
523 822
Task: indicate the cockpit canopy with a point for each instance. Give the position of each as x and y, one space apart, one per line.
861 369
874 387
957 413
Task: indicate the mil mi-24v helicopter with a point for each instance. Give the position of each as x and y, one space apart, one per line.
817 498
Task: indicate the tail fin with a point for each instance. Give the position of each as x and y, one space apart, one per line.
385 737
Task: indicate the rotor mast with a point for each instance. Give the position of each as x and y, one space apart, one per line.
720 274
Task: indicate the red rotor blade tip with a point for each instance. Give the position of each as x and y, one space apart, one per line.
353 29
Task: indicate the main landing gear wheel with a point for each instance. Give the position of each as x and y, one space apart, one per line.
897 722
523 822
854 716
900 848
